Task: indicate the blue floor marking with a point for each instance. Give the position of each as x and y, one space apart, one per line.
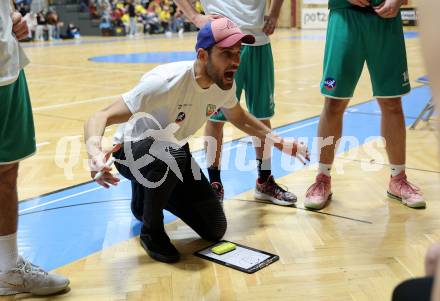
54 237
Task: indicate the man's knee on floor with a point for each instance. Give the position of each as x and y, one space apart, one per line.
216 228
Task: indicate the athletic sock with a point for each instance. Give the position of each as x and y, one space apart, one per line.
396 169
264 170
325 169
8 252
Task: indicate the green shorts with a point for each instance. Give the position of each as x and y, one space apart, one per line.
356 36
17 133
255 76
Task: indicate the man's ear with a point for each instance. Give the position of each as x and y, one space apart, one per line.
202 55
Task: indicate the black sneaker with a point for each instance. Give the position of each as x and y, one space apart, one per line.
218 190
271 191
159 247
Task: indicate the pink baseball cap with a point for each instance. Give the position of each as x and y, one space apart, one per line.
223 33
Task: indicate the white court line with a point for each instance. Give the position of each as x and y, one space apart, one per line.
125 180
88 68
296 67
62 105
297 127
52 82
298 104
65 198
42 144
280 132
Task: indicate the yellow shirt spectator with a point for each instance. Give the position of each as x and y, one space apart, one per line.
140 9
165 16
125 18
155 6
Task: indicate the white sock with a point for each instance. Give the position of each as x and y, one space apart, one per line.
325 169
396 169
8 252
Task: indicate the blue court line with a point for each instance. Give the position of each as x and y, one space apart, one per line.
62 227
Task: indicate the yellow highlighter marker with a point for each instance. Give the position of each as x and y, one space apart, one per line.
223 248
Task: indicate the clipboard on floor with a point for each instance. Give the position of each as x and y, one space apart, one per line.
242 258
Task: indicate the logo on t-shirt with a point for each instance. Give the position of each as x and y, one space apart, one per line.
180 106
330 83
210 109
180 117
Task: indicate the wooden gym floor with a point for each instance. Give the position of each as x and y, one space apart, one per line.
358 248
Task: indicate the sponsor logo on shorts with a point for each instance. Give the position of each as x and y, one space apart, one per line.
405 79
211 109
180 117
330 83
405 76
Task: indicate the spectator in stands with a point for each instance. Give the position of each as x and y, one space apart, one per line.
54 25
72 32
31 21
41 26
151 16
155 6
152 22
177 25
164 18
130 9
84 5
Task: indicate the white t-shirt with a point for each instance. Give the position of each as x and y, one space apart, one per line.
247 14
12 57
170 95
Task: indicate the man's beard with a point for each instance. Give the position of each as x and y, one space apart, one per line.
216 76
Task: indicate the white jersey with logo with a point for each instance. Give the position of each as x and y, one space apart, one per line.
12 57
168 95
247 14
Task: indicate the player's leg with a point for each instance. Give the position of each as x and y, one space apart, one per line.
201 211
17 275
256 76
387 64
152 195
8 216
343 62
